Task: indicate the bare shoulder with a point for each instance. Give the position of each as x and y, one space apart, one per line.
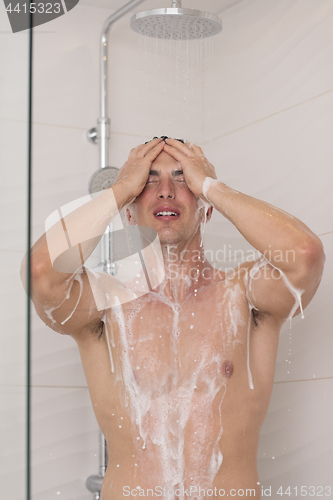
78 305
275 293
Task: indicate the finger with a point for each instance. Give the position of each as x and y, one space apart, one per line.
141 150
175 153
179 146
196 149
150 146
155 151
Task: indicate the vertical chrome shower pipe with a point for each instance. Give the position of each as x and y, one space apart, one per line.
104 121
103 126
103 131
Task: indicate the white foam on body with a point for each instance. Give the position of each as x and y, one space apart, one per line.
161 408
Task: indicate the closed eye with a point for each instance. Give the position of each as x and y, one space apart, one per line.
152 180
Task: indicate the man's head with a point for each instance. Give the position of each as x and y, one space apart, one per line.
167 204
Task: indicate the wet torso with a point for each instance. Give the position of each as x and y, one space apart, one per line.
181 390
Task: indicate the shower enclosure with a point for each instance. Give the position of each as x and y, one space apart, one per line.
15 195
267 118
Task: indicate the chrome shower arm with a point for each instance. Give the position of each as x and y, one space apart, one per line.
104 48
103 127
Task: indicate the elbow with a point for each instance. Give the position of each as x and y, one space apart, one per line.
312 254
24 272
30 273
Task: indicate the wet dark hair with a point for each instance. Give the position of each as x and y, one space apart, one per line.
165 137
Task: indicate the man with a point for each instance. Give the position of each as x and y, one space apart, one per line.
180 376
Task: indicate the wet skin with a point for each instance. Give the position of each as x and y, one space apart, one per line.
180 370
186 383
180 378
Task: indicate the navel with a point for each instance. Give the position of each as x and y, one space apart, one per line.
227 369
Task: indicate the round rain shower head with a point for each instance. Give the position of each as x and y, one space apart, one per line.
176 24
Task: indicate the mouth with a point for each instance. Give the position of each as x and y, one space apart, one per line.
166 213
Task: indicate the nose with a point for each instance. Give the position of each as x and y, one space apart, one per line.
166 189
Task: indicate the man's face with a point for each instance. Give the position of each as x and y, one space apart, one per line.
167 204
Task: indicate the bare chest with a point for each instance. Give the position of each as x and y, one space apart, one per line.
163 347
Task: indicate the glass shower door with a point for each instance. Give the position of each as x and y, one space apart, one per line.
14 213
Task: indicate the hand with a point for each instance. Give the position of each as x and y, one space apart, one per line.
194 164
134 174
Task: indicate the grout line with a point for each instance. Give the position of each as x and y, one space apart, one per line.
12 250
266 117
324 234
86 387
112 132
46 386
60 386
303 380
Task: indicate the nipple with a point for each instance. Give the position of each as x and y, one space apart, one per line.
227 369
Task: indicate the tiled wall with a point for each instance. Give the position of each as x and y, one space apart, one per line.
263 116
268 121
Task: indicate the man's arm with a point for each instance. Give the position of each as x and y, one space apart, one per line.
287 244
293 261
61 286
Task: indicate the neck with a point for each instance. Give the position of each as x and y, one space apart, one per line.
177 270
184 270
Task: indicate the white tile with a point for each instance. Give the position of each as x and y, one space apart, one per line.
14 184
297 432
284 160
13 438
55 358
66 69
13 321
64 443
271 55
63 162
14 63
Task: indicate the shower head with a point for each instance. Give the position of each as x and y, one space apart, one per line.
176 23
